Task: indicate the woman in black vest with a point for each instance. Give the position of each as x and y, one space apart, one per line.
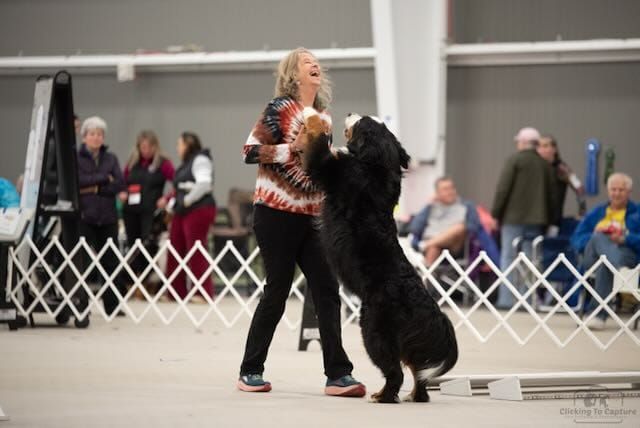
194 211
145 174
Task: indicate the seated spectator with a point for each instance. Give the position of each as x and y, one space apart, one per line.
611 229
9 196
443 223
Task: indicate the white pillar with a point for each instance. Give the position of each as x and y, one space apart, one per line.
385 64
409 37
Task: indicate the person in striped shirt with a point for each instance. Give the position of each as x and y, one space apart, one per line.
286 204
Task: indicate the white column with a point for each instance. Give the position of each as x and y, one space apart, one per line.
385 64
409 37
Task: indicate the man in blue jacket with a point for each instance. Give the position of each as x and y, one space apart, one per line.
611 229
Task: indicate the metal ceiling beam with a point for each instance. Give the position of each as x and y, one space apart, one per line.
200 61
555 52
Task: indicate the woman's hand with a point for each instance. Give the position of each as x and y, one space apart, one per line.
617 236
161 203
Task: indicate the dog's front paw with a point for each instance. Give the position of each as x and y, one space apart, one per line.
380 397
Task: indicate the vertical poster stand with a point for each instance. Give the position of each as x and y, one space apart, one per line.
51 155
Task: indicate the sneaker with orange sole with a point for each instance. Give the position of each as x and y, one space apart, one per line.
346 386
253 383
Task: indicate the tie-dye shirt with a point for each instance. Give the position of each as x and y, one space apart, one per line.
282 184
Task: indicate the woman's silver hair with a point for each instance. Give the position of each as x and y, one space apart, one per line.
93 122
287 80
628 181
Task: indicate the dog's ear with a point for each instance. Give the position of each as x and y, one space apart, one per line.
364 146
403 155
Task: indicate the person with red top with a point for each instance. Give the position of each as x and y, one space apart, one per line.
286 206
146 173
194 212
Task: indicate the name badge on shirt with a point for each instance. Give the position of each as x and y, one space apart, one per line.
135 197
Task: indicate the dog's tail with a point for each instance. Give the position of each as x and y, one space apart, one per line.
436 369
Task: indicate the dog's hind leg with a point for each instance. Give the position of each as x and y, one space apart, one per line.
419 393
386 357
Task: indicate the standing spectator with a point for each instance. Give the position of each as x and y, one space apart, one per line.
523 204
194 211
145 175
547 148
611 229
100 180
287 204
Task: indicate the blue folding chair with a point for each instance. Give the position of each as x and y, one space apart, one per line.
545 251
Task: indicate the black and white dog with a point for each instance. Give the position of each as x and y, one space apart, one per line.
400 321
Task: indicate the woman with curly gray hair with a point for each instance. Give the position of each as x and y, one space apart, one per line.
286 205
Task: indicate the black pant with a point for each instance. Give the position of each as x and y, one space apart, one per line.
284 240
138 226
96 237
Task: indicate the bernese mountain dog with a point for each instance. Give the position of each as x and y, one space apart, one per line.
401 323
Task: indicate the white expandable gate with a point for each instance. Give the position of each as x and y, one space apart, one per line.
23 278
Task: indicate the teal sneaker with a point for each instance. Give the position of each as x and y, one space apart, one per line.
253 383
346 386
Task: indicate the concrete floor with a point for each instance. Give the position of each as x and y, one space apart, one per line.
121 374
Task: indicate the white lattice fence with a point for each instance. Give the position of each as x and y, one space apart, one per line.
42 279
541 320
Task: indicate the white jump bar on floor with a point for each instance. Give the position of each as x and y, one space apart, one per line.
3 416
509 386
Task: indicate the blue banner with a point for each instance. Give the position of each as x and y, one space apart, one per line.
591 170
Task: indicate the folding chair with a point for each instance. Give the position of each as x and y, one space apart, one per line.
545 251
626 283
445 273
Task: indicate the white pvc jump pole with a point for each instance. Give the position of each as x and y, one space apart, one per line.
548 379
